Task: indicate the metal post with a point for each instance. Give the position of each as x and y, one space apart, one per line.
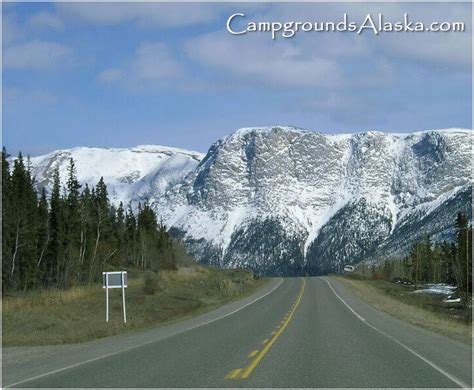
123 300
106 297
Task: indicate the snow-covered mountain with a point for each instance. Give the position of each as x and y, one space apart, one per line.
137 173
282 200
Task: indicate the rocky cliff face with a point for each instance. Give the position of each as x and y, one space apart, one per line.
285 201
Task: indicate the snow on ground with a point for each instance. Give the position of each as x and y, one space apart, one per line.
438 288
452 300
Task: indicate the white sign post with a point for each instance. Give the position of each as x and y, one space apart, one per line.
117 279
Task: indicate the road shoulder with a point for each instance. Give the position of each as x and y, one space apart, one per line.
22 363
456 356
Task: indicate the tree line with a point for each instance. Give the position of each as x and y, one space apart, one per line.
439 262
73 234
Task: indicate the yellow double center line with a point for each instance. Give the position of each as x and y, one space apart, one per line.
245 372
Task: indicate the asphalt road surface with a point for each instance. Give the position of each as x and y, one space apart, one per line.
296 332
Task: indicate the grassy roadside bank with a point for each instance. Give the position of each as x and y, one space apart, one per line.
428 312
78 314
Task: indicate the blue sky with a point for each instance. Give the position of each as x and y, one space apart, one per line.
125 74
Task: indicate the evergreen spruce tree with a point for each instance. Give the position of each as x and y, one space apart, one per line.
7 227
119 233
437 264
103 250
447 263
43 235
131 237
147 233
464 256
415 261
72 226
24 224
17 218
167 255
54 259
426 260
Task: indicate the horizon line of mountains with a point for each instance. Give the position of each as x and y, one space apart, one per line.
286 201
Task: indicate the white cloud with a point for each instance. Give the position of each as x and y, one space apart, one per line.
344 108
45 20
17 96
110 75
259 59
154 62
334 103
377 72
335 60
36 55
452 50
11 29
152 66
145 14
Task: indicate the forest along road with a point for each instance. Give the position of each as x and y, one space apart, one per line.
296 332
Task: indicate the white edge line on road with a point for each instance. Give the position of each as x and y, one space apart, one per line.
430 363
148 342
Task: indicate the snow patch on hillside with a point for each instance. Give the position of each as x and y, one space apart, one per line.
127 172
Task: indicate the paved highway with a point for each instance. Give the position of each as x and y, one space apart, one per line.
296 332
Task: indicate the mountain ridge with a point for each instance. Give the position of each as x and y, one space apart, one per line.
275 199
126 171
258 177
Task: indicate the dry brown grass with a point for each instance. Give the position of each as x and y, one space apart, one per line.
373 293
78 314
